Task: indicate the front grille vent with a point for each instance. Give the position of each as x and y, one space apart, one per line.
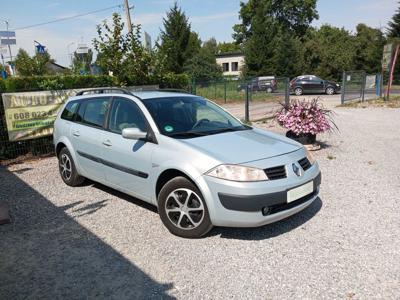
276 173
305 163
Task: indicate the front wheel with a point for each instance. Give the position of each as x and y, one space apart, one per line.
182 209
330 90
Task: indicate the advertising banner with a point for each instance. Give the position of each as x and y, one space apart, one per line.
32 114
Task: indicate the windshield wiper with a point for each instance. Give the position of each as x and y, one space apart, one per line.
228 129
186 134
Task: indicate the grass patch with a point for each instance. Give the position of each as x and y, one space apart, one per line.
221 92
331 157
393 103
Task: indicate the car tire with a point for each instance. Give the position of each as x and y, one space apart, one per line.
67 169
329 90
182 209
269 90
298 91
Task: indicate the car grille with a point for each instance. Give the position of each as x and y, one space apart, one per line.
305 163
276 173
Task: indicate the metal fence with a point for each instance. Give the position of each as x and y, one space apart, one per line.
358 85
245 99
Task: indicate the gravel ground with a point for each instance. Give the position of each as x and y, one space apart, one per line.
91 241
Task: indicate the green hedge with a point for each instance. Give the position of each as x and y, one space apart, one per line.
40 83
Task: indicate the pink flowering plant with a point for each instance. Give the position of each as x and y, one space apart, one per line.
305 117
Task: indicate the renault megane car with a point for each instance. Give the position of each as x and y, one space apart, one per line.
186 155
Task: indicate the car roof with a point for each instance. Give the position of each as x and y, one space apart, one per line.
145 95
141 95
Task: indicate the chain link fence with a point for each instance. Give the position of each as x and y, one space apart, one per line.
248 99
358 85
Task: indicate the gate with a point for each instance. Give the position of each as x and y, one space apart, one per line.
358 85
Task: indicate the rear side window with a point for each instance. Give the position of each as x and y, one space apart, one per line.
70 110
92 112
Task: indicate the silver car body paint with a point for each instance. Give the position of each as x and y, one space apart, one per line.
194 157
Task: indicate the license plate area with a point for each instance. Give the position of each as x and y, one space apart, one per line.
300 192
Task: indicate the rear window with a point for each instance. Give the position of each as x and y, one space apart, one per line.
70 111
92 112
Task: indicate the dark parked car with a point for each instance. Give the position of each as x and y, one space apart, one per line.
257 84
312 84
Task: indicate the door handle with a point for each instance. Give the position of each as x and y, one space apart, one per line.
76 133
107 143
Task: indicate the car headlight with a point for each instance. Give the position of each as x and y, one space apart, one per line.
238 173
310 157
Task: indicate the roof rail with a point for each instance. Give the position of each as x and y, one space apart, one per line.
103 90
162 90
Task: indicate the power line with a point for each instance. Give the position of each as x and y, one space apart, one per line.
68 18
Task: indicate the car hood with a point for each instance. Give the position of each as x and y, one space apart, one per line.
243 146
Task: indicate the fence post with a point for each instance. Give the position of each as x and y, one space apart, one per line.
343 87
193 86
225 90
363 84
246 105
287 91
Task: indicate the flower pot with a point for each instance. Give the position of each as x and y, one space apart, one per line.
303 138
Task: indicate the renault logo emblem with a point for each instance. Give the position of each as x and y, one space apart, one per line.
296 170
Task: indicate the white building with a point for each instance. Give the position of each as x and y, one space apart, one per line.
231 63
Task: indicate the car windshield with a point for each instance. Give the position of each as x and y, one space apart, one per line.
187 117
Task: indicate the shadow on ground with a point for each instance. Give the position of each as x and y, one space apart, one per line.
45 254
270 230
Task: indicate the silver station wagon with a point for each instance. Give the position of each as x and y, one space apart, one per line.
186 155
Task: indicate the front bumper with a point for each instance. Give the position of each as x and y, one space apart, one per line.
240 204
275 202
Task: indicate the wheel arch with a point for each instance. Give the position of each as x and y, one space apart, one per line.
169 174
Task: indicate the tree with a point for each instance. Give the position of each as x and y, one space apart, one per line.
81 62
203 66
369 44
177 42
294 15
328 51
226 47
394 25
122 54
23 63
271 34
32 66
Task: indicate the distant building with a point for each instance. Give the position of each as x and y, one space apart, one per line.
54 68
231 63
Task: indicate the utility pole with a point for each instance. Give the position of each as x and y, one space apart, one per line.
128 16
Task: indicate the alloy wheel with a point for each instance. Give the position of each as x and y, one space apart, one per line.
65 167
184 209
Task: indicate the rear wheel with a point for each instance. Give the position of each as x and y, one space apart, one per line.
182 209
298 91
330 90
67 168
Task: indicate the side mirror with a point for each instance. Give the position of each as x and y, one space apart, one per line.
133 134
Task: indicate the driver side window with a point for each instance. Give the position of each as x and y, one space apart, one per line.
125 114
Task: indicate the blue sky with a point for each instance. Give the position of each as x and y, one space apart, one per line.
208 17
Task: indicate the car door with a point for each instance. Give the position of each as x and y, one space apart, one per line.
128 162
87 135
317 85
305 83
